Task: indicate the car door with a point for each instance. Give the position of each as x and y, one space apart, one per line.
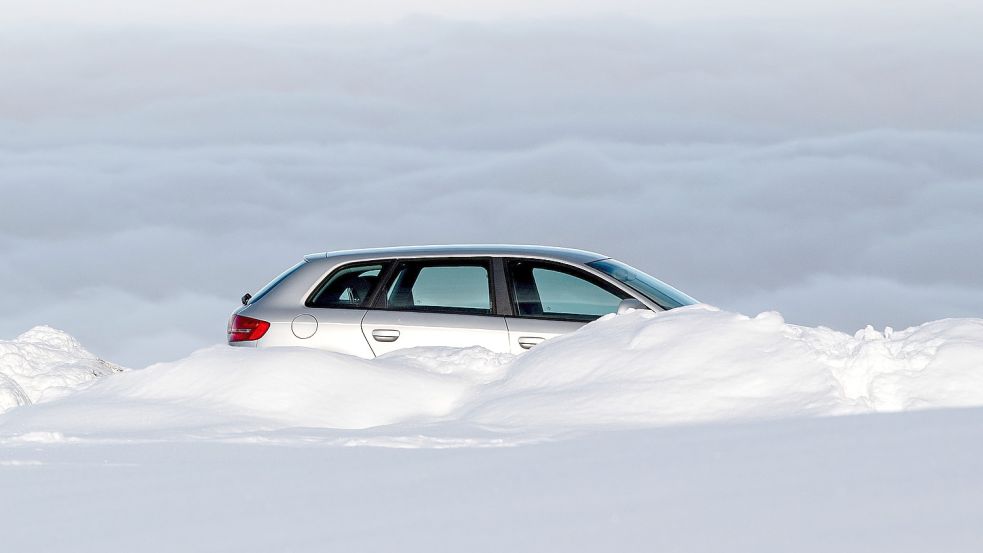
550 299
337 306
436 302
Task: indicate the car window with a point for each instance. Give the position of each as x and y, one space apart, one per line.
555 292
275 282
347 287
461 287
656 290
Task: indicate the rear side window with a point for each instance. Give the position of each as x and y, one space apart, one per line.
350 286
548 291
451 287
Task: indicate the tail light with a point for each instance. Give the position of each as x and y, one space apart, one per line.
246 329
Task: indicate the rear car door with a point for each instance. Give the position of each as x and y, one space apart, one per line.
337 306
436 302
549 299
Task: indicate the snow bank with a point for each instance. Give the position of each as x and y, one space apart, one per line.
694 364
44 363
699 364
303 387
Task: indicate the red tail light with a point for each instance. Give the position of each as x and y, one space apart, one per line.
246 329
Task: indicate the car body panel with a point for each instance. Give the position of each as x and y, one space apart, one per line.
407 329
525 332
337 330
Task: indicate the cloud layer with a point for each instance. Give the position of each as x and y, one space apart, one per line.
150 176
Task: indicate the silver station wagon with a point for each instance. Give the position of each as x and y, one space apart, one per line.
504 298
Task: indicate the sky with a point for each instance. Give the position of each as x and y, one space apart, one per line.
157 162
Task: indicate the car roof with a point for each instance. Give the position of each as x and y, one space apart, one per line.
463 250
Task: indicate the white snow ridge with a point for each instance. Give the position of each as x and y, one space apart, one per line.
44 363
642 369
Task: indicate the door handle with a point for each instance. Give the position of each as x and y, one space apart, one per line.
385 335
526 342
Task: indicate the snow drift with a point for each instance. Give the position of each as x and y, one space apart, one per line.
699 364
693 364
44 363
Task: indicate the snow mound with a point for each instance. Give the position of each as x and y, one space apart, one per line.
694 364
42 364
699 364
304 387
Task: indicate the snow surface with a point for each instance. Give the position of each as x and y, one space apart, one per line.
907 482
691 430
44 363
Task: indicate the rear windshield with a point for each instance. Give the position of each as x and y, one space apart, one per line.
654 289
273 283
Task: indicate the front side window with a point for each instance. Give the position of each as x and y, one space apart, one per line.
549 291
347 287
441 286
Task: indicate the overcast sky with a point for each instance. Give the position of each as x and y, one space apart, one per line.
821 159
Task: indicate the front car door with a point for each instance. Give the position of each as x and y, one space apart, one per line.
436 302
549 299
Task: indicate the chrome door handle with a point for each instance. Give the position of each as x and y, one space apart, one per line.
385 335
526 342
